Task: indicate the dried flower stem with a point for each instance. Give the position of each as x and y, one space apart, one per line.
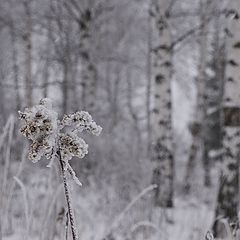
68 199
42 127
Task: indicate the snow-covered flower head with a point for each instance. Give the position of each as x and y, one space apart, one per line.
72 145
81 121
41 125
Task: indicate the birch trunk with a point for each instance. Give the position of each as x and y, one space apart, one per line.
197 125
228 195
214 95
149 86
162 74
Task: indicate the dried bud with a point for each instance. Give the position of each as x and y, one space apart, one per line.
71 145
80 121
43 128
40 126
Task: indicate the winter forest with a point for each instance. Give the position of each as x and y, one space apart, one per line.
158 84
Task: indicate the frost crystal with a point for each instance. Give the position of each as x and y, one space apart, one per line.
41 125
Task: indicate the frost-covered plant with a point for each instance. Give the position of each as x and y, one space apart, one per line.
41 125
52 137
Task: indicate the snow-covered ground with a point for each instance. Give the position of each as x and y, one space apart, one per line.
97 206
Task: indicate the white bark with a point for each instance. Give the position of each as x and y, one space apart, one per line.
197 147
149 86
214 97
162 74
228 196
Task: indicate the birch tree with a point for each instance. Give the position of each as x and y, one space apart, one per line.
196 127
88 69
162 74
84 17
215 72
228 195
149 83
62 48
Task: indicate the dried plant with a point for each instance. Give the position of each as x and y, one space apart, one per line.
52 137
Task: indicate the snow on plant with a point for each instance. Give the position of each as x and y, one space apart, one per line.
52 137
41 125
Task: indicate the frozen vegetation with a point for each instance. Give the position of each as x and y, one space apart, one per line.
162 80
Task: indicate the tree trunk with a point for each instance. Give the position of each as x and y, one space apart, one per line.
28 52
64 57
89 72
228 195
136 127
162 74
65 87
214 96
197 126
47 63
15 65
149 86
75 84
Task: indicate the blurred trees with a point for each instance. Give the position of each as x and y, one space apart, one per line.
126 63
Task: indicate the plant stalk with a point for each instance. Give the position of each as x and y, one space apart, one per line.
68 199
